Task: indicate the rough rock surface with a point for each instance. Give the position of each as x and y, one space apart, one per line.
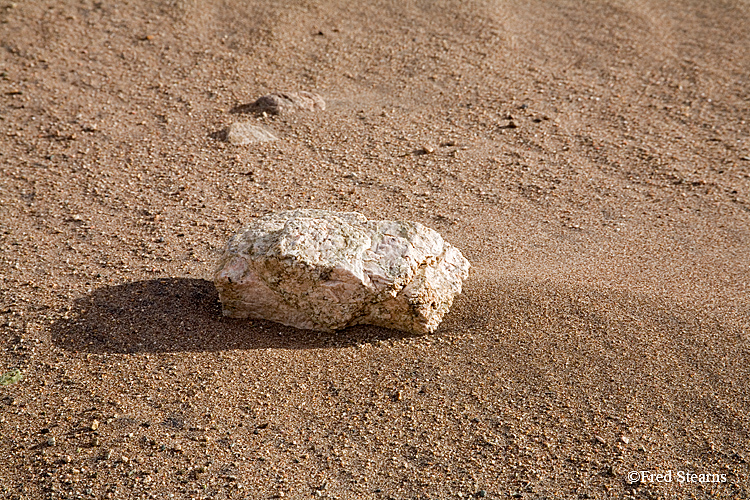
321 270
277 103
247 133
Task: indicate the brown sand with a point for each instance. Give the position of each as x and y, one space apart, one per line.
593 163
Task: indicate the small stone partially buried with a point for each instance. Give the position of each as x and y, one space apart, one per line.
279 103
321 270
247 133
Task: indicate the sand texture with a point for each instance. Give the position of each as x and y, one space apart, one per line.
590 159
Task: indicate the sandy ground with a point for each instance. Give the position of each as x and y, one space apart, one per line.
591 159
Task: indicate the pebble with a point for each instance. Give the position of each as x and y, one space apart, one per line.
282 103
242 133
625 439
94 425
600 440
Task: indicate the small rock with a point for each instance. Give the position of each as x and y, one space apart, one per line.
51 441
124 459
321 270
625 439
11 377
241 133
277 103
600 440
94 425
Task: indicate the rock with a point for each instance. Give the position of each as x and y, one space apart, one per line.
321 270
278 103
11 377
247 133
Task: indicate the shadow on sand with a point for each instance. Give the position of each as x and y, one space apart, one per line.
179 314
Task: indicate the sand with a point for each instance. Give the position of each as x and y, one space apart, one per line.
591 160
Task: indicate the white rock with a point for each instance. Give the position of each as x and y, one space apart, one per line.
248 133
321 270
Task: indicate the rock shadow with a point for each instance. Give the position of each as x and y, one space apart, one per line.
180 314
220 135
246 108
